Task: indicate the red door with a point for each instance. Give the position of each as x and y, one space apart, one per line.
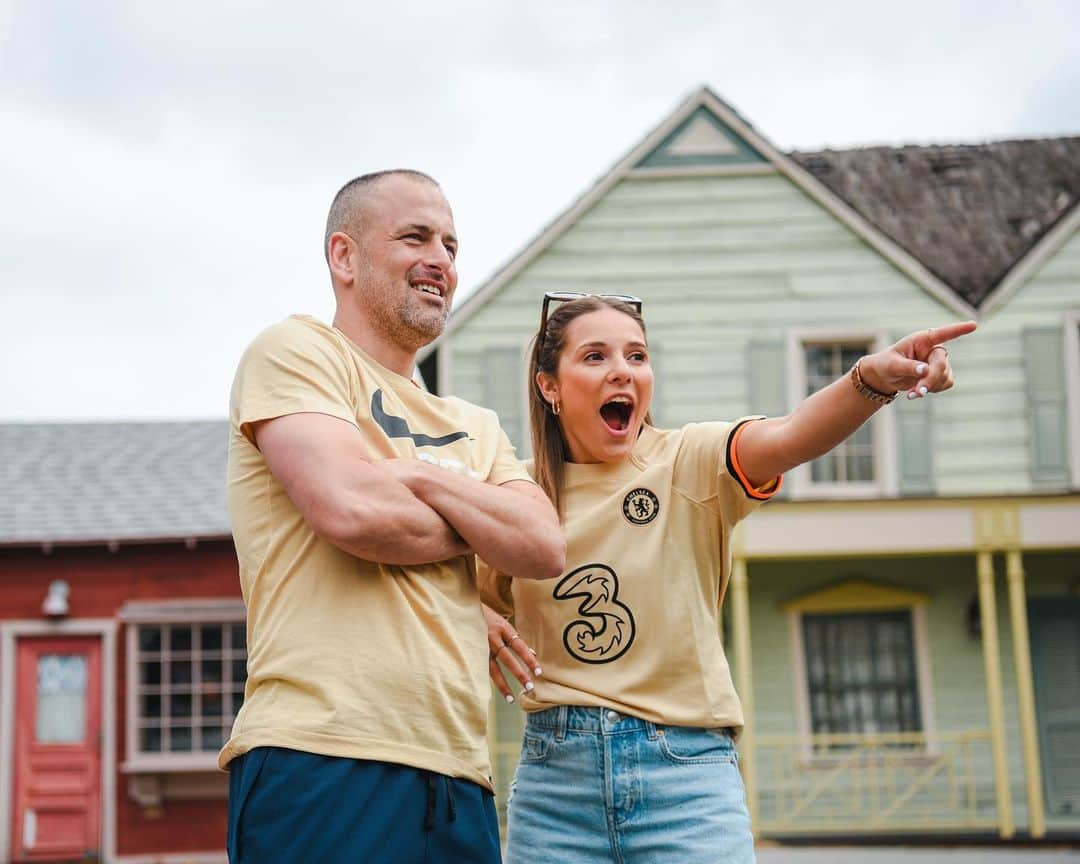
57 800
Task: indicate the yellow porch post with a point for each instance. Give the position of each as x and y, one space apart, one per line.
740 607
992 660
1025 692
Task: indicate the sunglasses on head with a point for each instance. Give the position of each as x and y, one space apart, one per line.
565 296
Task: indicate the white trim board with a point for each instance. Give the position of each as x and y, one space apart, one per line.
10 632
901 527
800 177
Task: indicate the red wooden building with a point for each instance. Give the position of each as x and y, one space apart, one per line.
122 642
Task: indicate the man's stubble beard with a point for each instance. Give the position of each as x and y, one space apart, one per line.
427 324
401 315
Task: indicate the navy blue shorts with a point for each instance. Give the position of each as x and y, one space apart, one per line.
291 807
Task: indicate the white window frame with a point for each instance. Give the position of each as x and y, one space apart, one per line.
1072 390
163 613
882 425
801 673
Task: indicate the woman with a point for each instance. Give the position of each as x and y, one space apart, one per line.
628 753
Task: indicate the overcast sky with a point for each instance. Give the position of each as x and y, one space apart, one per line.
165 168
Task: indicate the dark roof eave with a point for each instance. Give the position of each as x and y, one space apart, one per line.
148 540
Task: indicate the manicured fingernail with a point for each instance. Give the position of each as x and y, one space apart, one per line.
923 390
911 394
529 685
538 671
920 369
509 698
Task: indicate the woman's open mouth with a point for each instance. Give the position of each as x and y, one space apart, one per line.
616 413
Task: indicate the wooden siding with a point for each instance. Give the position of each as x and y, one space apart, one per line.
1043 302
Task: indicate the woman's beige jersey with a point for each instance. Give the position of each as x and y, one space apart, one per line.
633 624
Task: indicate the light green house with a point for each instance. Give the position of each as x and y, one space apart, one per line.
905 623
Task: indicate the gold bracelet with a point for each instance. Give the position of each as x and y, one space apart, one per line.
866 391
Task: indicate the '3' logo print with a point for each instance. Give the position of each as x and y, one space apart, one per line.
606 628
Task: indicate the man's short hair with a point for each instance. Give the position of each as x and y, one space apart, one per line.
347 208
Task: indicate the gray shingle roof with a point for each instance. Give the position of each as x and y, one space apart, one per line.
102 482
968 212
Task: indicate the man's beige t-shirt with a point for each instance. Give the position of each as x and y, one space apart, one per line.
348 657
633 624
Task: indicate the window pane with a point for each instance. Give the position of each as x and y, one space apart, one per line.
180 739
210 672
824 468
212 704
180 705
210 636
61 699
180 672
239 671
150 739
869 684
149 639
180 638
150 705
890 709
150 673
239 637
853 460
213 738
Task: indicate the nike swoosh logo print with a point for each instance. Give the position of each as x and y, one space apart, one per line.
397 427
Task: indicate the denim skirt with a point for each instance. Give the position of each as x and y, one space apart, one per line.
593 785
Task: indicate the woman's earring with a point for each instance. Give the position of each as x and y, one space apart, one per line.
556 407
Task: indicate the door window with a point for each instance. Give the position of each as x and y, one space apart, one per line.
61 699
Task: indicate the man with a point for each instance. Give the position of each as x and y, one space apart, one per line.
357 500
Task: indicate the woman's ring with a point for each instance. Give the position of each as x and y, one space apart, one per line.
511 642
936 348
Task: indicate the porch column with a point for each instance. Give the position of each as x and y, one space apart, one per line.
992 661
740 608
1025 692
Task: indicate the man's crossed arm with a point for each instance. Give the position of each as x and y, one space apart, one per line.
402 511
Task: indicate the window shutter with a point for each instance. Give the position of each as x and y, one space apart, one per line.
502 392
1045 369
914 446
768 382
767 373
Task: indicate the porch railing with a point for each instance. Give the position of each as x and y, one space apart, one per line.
881 783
